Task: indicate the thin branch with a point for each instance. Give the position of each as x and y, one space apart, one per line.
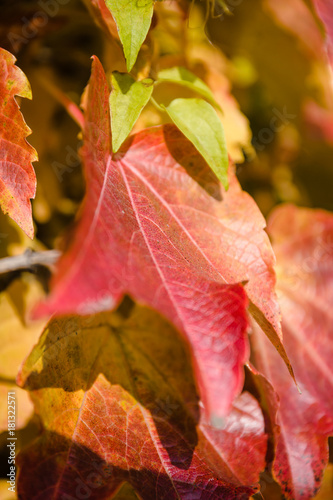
28 259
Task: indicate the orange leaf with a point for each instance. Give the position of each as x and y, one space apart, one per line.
17 176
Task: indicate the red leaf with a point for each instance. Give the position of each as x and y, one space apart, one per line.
303 243
103 17
296 16
118 403
17 176
157 224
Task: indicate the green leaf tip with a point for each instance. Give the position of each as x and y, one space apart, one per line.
198 121
133 20
127 99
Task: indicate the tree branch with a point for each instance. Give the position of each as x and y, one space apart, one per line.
28 260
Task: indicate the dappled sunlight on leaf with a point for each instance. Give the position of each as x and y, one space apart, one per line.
118 403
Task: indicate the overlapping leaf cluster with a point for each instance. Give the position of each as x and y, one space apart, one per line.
137 379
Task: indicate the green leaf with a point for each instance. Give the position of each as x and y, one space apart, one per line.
187 79
198 121
133 19
127 100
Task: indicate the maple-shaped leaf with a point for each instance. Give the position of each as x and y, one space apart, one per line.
118 403
303 243
157 224
17 176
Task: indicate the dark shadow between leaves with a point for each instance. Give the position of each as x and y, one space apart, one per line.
183 151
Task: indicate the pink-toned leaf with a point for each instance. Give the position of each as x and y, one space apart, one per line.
324 10
117 401
17 176
296 16
319 121
156 223
303 243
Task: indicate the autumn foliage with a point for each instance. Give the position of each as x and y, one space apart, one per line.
164 336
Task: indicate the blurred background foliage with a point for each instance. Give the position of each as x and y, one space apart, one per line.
271 67
257 53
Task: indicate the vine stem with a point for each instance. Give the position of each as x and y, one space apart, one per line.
162 110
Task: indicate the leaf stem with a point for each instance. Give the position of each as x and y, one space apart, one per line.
157 106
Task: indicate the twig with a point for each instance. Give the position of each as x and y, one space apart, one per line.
28 259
